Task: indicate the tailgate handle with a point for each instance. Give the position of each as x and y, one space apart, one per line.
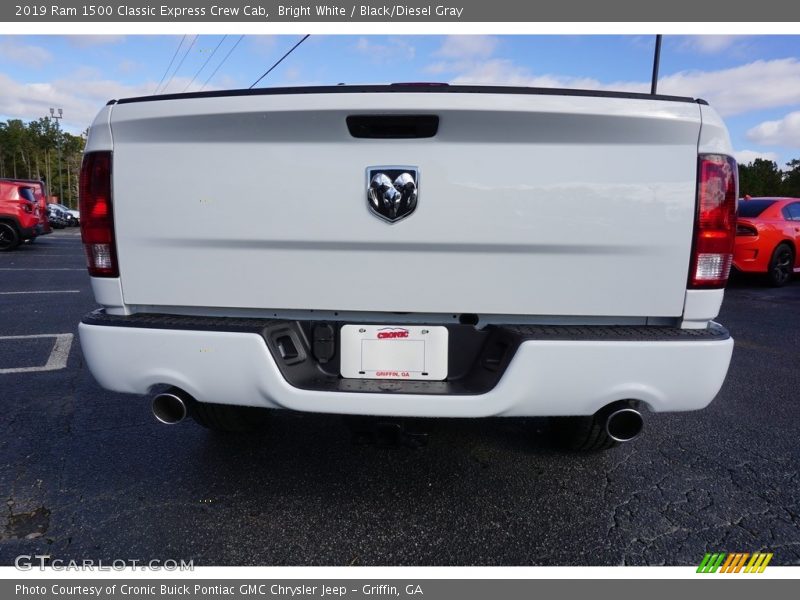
393 126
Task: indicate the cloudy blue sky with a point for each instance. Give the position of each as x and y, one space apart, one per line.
753 81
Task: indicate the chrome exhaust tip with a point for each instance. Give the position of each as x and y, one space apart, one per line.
624 424
171 407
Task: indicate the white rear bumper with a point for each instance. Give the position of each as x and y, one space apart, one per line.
545 378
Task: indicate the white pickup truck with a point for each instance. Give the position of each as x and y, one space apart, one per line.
410 250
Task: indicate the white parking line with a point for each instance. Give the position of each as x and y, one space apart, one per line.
42 292
58 355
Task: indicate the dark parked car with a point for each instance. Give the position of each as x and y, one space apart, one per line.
68 214
56 216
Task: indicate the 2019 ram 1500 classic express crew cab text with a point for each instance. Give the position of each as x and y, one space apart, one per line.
418 251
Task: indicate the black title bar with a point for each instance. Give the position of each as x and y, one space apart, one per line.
242 11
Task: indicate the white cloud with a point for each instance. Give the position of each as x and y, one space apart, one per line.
262 44
460 47
754 86
81 94
387 50
710 44
129 66
223 82
783 132
24 54
89 41
744 157
499 71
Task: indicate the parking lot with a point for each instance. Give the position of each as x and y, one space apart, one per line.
85 473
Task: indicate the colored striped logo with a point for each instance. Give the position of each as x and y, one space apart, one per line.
735 562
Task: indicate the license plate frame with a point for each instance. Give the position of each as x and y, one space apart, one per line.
396 352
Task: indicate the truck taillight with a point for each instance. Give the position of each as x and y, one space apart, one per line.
97 215
715 223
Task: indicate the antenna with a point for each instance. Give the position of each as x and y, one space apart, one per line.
656 61
280 60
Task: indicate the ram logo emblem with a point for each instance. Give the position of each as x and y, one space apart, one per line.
392 192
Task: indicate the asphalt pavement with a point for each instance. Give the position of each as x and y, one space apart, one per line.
89 474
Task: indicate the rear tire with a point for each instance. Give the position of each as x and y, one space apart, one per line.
9 236
228 418
586 434
581 434
781 265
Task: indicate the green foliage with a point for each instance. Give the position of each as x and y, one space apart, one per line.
763 178
759 178
791 179
32 151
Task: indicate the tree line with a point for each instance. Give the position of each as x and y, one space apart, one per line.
764 178
42 150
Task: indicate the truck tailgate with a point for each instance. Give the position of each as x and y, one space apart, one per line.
528 204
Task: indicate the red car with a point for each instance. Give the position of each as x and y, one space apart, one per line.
19 213
767 238
40 193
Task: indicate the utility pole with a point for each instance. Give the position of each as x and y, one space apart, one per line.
58 129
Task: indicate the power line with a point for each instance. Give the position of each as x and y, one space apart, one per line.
178 49
210 77
210 56
280 60
180 64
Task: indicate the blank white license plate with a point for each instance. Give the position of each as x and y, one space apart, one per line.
394 352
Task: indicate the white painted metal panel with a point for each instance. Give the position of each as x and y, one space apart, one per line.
528 204
542 379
